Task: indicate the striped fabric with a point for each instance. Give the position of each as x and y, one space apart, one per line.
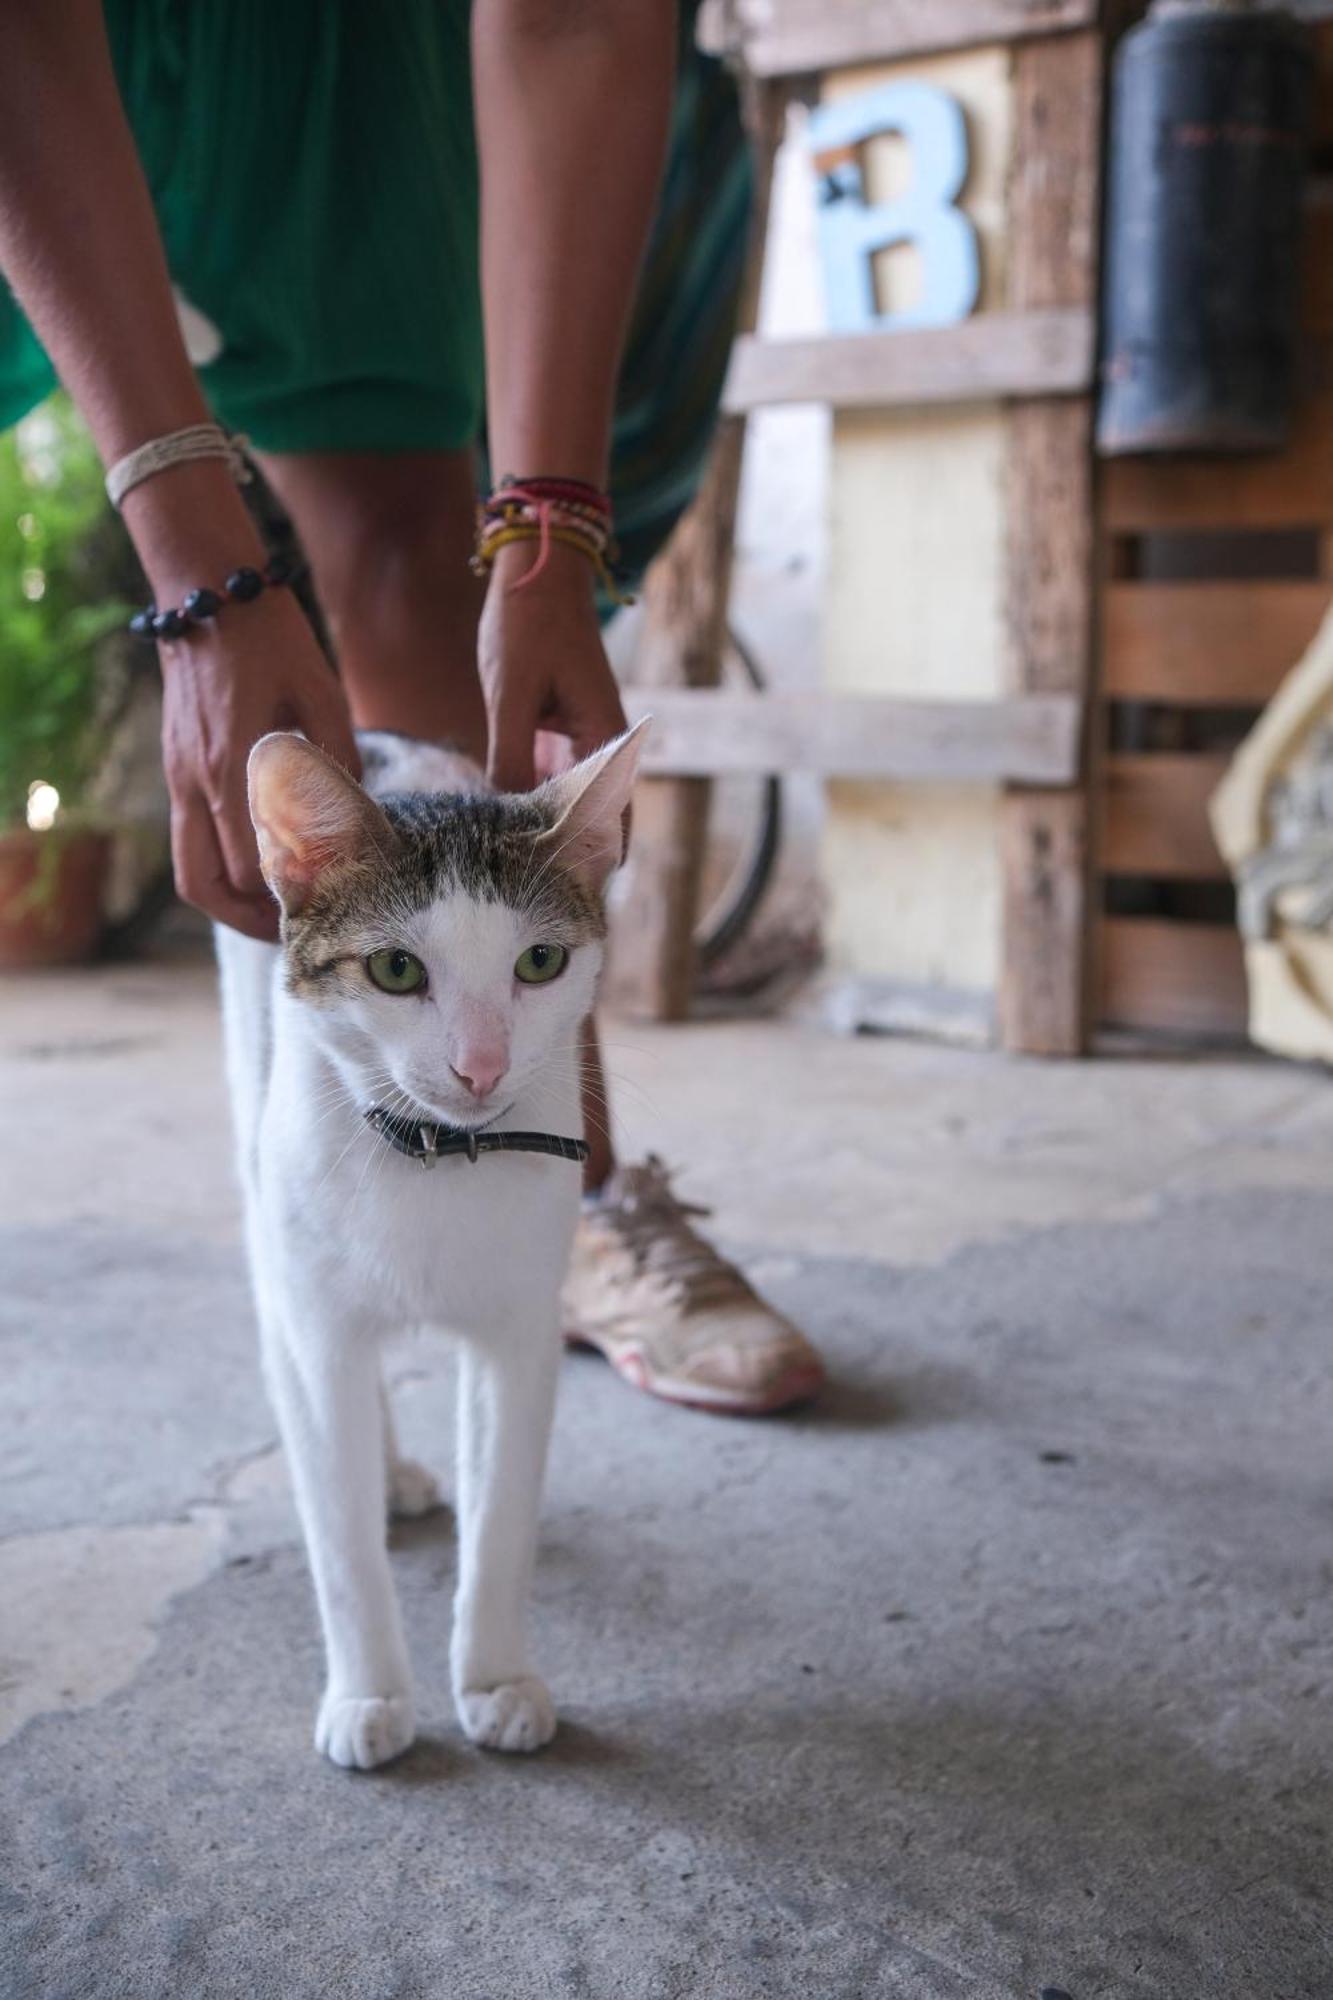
685 316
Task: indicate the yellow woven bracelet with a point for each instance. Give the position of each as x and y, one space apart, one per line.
492 537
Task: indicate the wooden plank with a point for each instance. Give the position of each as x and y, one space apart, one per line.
990 356
1055 190
696 733
1219 644
1044 863
1156 817
650 959
1180 979
1291 488
1054 206
793 37
1049 546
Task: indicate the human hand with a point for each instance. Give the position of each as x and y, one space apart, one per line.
255 668
543 665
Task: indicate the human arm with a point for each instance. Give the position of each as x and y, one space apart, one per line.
80 247
573 102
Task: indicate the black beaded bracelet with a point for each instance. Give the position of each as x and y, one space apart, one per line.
241 587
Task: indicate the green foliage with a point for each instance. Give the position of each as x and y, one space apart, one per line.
62 584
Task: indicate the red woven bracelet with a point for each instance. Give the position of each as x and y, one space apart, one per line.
546 509
574 492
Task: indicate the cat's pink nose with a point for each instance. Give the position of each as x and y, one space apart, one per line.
481 1072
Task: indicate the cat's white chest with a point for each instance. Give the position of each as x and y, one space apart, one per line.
460 1236
460 1244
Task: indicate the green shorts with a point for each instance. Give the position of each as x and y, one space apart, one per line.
314 173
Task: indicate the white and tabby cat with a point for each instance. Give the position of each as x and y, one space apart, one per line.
440 951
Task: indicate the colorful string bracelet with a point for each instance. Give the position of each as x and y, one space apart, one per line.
544 510
204 604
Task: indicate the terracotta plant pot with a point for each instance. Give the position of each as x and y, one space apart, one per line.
52 887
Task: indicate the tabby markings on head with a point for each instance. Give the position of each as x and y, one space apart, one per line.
485 846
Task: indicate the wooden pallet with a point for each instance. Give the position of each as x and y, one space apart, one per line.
1031 355
1165 665
1188 662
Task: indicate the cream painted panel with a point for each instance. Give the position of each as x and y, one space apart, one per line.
913 877
913 601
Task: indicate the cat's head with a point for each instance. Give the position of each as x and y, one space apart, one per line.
443 945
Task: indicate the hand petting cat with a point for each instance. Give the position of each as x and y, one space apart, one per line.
544 670
221 691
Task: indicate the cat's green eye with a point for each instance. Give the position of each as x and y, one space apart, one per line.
396 971
539 963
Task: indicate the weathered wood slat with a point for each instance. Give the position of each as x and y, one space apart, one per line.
1050 574
1044 864
1049 546
1218 644
707 733
1292 488
1182 979
1156 817
1054 248
791 37
991 356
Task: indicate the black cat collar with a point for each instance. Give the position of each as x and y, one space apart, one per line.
427 1141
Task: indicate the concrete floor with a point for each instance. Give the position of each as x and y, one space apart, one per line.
1008 1669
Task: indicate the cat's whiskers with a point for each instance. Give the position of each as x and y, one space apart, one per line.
377 1146
378 1085
334 1095
400 1105
361 1131
596 1092
639 1048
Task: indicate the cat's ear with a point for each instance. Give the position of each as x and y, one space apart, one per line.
591 801
313 821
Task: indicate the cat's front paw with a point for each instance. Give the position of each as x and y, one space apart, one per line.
361 1731
412 1490
516 1715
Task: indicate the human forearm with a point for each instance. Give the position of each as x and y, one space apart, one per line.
79 245
573 106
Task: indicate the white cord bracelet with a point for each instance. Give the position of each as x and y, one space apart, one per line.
176 448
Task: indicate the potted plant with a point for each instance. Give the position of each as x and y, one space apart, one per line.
62 592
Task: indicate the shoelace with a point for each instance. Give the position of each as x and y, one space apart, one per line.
655 1226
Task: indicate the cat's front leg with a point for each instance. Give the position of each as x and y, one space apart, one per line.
325 1387
505 1403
